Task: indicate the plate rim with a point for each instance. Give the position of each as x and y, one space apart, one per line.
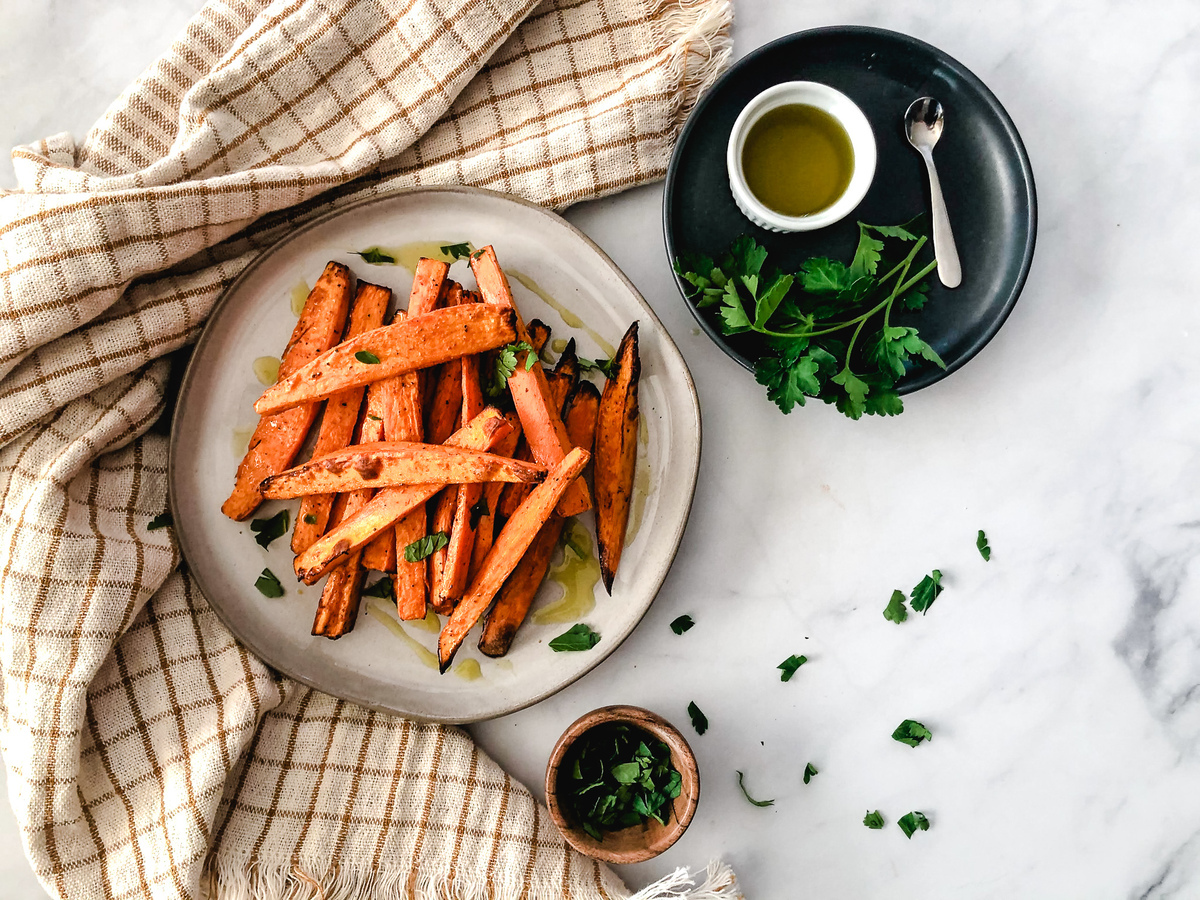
669 189
186 384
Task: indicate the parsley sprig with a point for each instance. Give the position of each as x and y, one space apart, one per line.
834 338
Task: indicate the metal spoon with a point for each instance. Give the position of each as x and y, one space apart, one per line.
923 125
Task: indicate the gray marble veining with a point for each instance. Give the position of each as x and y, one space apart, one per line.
1062 679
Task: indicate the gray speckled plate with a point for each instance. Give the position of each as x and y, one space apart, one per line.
557 275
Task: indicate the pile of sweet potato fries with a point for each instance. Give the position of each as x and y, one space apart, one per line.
413 474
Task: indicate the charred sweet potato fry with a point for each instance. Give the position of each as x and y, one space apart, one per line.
340 416
539 334
616 454
481 433
486 532
279 434
579 414
520 588
518 533
415 343
388 464
442 519
540 419
517 595
338 607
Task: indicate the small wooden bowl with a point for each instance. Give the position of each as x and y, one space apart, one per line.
638 842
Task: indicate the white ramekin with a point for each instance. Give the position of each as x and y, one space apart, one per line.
851 118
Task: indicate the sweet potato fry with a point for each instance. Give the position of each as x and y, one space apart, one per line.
519 532
443 386
539 334
520 588
579 414
531 395
486 531
279 435
380 554
429 280
515 598
442 519
482 433
402 421
456 562
408 584
429 288
388 464
616 454
338 607
514 494
340 416
568 363
415 343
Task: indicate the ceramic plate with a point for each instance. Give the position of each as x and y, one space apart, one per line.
981 162
558 276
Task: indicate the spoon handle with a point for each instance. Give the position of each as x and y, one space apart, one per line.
949 269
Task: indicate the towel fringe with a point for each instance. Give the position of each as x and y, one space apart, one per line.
233 879
719 884
695 34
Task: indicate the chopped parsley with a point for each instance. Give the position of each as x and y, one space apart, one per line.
873 820
381 589
911 733
896 611
376 257
789 666
809 771
268 585
267 530
162 520
746 793
981 543
367 357
926 592
699 720
457 251
424 547
911 822
577 637
310 518
682 624
506 364
617 776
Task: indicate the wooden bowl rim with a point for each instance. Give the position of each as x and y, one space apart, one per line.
682 758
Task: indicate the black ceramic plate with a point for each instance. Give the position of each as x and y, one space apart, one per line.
981 162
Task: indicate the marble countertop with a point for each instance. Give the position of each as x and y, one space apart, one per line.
1061 679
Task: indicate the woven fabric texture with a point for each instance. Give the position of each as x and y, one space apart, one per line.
148 754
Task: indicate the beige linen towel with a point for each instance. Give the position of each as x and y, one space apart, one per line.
148 754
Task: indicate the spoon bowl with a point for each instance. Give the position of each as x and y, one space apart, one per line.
923 122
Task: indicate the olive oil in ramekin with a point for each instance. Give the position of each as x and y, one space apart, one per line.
797 159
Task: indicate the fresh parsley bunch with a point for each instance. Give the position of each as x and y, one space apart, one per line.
827 327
